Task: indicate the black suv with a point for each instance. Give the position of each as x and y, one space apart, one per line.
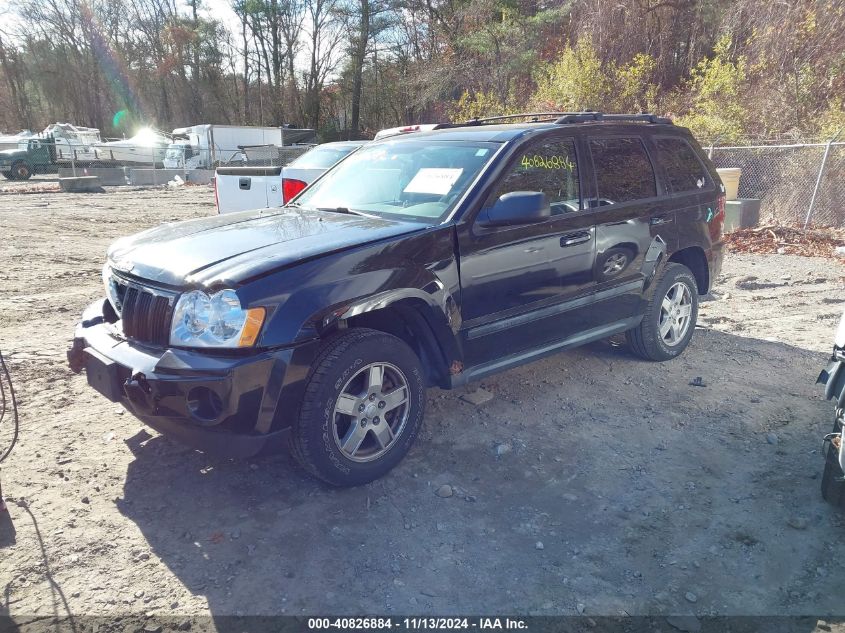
425 260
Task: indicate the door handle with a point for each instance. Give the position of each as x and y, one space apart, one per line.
661 219
571 239
245 183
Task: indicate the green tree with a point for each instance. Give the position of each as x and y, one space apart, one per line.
634 88
576 81
716 91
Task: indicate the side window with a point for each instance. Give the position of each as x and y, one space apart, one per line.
623 170
549 167
684 170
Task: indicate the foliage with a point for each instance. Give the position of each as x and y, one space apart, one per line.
716 88
832 120
727 68
474 106
635 90
576 81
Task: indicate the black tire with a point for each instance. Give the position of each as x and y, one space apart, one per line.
315 437
7 175
645 340
21 170
833 488
620 256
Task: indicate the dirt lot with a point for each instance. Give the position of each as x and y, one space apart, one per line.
591 482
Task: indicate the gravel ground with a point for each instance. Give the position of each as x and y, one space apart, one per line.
589 482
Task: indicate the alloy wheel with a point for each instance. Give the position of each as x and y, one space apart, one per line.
615 263
371 412
675 313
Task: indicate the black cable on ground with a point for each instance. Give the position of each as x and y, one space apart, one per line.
8 405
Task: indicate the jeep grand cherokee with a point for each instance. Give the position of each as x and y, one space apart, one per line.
427 260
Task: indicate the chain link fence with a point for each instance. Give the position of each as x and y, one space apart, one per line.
796 183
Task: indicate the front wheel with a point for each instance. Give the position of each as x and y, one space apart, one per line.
363 407
7 175
21 171
669 319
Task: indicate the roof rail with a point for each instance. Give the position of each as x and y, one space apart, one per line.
583 117
520 115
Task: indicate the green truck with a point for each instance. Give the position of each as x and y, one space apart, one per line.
32 156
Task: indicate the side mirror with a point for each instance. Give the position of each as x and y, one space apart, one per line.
517 207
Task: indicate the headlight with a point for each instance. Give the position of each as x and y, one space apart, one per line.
111 288
200 320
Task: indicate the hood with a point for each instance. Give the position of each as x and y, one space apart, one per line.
229 249
11 153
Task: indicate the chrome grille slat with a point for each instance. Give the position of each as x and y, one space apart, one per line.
146 313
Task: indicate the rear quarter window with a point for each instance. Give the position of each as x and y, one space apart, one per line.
684 170
623 170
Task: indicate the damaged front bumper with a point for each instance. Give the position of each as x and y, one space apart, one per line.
221 404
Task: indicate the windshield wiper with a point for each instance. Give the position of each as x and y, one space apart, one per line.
346 210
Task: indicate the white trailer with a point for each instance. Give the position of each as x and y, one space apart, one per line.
204 146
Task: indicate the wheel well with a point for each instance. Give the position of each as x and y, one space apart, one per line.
405 320
693 257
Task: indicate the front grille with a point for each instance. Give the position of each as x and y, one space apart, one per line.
146 314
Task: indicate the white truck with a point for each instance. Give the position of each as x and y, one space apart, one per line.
244 188
204 146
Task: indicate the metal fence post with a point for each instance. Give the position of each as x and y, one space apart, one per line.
819 178
712 146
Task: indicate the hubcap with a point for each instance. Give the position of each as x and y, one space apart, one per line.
615 263
371 412
675 314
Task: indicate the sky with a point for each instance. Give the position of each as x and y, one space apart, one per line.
221 10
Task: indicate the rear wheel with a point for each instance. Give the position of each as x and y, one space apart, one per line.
669 319
363 407
21 170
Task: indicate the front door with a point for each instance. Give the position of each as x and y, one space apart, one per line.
523 286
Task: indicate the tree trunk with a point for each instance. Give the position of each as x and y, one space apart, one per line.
246 118
359 53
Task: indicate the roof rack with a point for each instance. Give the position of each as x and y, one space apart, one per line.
562 118
521 115
583 117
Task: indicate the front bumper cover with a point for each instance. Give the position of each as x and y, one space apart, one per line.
221 404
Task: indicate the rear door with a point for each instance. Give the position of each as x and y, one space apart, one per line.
523 286
690 189
632 217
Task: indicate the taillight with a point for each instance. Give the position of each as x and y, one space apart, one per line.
290 188
717 222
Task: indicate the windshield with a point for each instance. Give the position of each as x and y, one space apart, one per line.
322 157
415 179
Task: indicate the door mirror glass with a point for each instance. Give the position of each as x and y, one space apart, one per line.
517 207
